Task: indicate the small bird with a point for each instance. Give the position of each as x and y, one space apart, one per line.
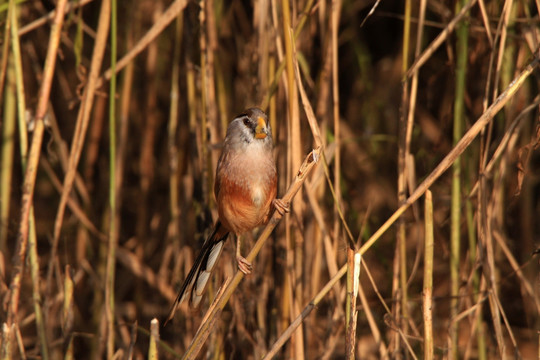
245 189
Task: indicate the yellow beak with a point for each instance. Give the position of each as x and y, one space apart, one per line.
260 129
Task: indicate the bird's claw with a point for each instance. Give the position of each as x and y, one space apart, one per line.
245 266
282 207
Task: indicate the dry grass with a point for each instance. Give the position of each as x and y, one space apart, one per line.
95 239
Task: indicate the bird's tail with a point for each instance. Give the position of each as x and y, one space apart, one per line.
197 278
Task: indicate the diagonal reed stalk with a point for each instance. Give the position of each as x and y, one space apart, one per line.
31 172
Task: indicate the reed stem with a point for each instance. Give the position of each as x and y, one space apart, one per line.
113 210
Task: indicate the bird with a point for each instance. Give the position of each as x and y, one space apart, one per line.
245 189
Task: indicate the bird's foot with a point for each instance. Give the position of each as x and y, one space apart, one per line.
244 265
282 207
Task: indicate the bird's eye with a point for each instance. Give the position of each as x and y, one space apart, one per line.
246 121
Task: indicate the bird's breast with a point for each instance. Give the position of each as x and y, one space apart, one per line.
257 195
247 186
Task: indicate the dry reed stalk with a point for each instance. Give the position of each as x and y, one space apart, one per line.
427 295
114 190
395 343
154 338
353 279
399 283
485 20
7 341
335 15
31 171
414 82
172 138
32 241
295 243
409 182
68 314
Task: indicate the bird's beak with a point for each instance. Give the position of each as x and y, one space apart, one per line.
260 130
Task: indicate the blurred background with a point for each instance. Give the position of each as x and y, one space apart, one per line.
122 203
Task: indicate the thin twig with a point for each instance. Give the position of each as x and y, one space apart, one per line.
440 39
46 18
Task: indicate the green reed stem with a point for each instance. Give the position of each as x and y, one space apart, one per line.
455 212
8 148
113 233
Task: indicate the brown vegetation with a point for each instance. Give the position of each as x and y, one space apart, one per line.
101 220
